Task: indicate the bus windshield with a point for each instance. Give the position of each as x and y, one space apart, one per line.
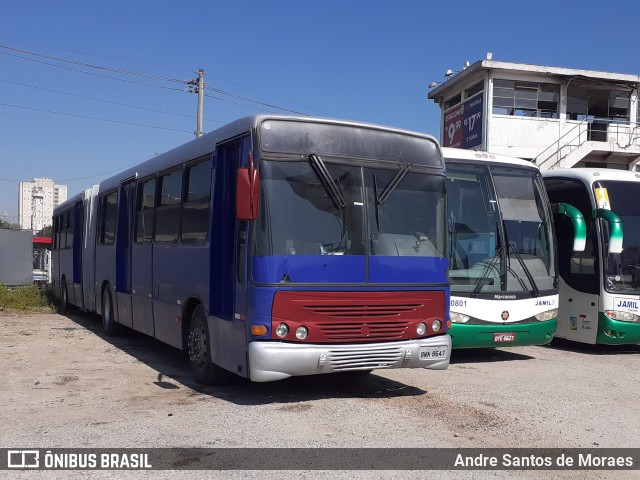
500 237
322 207
622 270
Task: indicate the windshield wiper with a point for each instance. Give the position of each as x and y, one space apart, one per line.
329 184
490 265
535 289
388 190
393 184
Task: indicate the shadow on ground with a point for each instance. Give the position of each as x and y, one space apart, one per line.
568 345
486 355
172 364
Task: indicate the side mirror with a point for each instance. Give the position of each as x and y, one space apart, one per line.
615 228
579 225
247 193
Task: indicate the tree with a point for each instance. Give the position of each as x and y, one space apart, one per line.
46 232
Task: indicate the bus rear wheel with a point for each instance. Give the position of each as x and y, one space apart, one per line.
204 371
109 325
64 293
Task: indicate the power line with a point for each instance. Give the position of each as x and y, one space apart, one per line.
165 67
137 74
246 99
270 95
93 73
90 65
104 101
93 118
107 57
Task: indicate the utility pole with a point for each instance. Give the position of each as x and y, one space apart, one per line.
197 86
200 89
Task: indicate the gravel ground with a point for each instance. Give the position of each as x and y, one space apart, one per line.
66 385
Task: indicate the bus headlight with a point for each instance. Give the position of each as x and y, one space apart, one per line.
548 315
282 330
421 328
622 316
436 325
459 317
301 333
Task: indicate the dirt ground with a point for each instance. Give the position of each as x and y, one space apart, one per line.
64 384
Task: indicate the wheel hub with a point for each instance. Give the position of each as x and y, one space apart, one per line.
197 346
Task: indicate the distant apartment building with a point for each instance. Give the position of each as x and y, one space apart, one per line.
36 202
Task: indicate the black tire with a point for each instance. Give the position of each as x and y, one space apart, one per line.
110 327
65 306
204 371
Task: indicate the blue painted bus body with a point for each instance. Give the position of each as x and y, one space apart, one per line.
156 284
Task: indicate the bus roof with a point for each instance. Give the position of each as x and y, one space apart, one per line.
69 202
207 143
590 175
484 157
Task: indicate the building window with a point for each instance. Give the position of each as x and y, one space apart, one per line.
452 101
619 105
477 88
598 104
168 210
525 99
195 211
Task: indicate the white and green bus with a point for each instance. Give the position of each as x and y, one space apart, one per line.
502 258
600 286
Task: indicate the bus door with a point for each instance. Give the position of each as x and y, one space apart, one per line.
142 257
579 283
228 261
124 240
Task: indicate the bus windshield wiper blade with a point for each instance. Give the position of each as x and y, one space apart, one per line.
393 184
329 184
490 265
535 290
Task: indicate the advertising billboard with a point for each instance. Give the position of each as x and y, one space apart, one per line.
463 123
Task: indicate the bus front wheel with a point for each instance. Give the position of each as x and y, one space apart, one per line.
109 325
204 371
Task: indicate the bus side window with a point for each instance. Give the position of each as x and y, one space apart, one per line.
197 197
145 199
109 213
168 207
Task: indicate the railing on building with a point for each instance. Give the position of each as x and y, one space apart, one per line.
621 135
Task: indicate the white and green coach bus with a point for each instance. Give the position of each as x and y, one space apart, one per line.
502 257
600 286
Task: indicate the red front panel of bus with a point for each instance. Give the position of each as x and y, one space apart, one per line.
341 317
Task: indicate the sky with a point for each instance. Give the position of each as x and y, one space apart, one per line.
88 89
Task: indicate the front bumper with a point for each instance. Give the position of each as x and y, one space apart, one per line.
465 335
269 361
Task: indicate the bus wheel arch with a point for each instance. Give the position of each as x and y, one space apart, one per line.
199 349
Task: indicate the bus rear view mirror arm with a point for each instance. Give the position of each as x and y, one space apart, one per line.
615 228
579 225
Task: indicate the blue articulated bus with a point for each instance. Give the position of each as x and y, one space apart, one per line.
274 246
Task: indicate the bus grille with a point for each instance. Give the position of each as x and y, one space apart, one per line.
365 316
365 358
372 330
367 310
